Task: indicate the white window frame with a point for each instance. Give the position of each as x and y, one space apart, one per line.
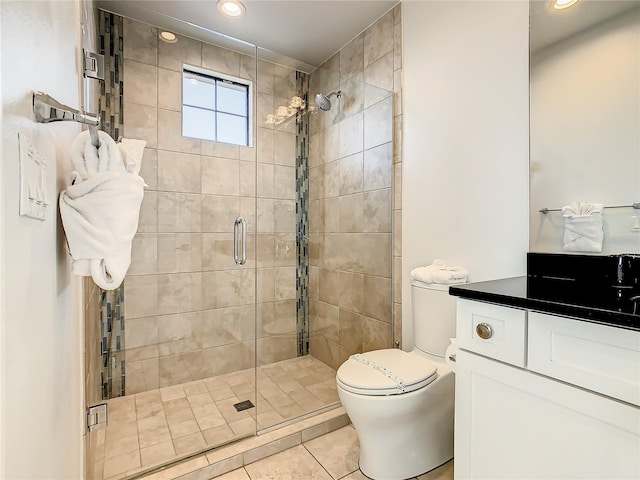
221 76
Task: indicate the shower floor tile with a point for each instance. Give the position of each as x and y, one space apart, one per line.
156 427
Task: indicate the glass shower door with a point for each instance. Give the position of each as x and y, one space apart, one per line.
276 235
184 351
290 382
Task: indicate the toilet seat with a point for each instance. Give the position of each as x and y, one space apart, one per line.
385 372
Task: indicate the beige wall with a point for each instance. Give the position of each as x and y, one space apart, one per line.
465 167
190 310
41 404
352 167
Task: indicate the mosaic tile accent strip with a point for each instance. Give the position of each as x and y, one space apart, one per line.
112 322
111 96
112 344
302 216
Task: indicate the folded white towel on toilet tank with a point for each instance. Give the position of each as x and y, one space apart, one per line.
438 272
583 227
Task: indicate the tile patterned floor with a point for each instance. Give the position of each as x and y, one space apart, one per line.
152 428
332 456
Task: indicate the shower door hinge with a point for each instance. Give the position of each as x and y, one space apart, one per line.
97 417
93 65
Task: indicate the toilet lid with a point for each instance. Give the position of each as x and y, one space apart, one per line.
385 372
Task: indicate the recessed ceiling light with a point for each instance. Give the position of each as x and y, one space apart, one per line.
231 8
168 37
562 4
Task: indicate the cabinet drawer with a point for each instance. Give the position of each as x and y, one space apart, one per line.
596 357
492 330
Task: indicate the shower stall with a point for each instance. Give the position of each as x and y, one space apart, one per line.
259 266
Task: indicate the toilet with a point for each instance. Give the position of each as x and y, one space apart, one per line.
401 403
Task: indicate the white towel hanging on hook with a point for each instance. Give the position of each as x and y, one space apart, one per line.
100 209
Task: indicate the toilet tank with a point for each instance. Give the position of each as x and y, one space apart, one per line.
433 313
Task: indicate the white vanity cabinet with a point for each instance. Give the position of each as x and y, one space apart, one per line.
559 402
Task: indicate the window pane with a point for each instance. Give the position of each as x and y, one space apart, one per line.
198 92
232 98
232 129
198 123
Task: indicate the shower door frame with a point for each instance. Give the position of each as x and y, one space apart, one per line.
92 295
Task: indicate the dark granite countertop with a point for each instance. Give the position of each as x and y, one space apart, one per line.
513 292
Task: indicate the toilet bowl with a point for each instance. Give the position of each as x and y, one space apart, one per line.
401 403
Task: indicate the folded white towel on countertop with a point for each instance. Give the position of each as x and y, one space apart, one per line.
100 209
438 272
583 227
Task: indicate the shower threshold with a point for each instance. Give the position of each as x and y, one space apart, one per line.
151 429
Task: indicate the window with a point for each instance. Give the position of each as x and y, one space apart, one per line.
216 107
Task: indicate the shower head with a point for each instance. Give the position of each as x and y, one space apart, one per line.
322 101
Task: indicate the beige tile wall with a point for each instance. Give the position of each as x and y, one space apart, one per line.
355 165
189 309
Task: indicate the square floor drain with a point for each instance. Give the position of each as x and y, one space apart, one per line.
246 405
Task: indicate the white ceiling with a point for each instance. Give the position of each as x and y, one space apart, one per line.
549 26
302 34
308 31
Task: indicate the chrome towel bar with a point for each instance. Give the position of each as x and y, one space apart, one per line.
47 110
635 205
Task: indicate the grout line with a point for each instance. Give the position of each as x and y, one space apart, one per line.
248 475
318 461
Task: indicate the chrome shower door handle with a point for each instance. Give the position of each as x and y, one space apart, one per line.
240 260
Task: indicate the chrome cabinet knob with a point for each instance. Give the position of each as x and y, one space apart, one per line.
484 331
